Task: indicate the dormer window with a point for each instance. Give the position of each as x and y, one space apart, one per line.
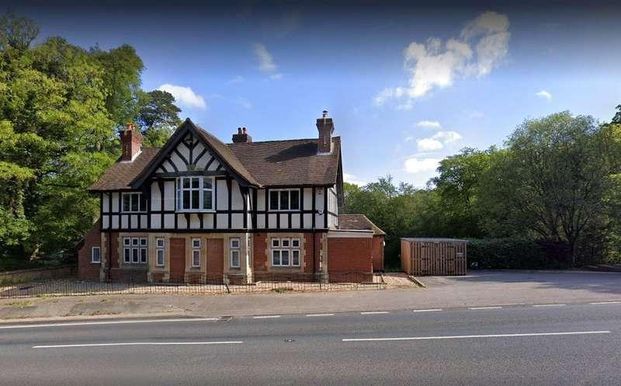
284 199
133 203
195 194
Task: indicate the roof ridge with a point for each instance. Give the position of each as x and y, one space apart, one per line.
278 140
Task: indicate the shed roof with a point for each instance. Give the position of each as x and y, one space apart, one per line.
358 222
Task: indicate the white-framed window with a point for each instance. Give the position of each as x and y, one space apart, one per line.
284 199
235 252
133 203
134 250
286 252
196 252
95 255
159 252
195 194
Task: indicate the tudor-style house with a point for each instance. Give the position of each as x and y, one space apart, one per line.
200 210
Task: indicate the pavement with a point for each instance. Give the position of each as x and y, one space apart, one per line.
478 289
540 344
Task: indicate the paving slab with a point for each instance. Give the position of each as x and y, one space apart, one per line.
482 288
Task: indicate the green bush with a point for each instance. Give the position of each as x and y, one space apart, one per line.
510 253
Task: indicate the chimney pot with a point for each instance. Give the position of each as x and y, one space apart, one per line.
242 136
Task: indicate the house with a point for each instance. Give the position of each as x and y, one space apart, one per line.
200 210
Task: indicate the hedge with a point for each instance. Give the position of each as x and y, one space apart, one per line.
509 253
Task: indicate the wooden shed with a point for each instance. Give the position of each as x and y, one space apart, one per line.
431 256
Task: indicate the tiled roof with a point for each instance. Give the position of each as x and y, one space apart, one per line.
120 174
358 222
227 156
270 163
289 162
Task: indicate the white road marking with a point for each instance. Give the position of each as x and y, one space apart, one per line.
428 310
138 344
485 308
612 302
549 305
475 336
314 315
108 322
374 312
266 317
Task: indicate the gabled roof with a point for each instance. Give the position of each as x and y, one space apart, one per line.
289 162
222 153
260 164
358 222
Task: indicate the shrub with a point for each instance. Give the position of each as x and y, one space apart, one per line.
510 253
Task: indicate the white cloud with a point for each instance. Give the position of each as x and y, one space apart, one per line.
447 136
352 179
429 124
185 96
429 144
437 141
415 165
266 62
544 94
482 44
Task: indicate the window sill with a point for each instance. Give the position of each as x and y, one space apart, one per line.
141 212
95 262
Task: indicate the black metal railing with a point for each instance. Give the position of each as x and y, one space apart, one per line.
198 284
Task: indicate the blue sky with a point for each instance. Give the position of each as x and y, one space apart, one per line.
406 85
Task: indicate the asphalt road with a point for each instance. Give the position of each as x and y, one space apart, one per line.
544 344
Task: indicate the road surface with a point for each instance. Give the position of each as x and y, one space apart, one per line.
536 344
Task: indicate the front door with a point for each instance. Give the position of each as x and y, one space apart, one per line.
177 260
215 260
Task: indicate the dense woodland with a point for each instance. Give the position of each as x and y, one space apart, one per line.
61 107
551 196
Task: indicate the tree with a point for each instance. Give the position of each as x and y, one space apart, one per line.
554 177
121 81
458 185
158 117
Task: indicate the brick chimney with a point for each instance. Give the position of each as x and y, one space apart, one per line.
326 128
242 136
131 142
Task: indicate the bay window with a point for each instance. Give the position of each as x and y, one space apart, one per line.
195 194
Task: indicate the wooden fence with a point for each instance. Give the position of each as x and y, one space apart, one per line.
441 257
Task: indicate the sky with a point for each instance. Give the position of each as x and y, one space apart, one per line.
406 83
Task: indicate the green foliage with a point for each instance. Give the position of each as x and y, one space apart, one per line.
60 106
158 117
121 81
512 253
556 181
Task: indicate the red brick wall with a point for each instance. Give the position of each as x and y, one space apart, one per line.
378 253
309 251
86 269
350 259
